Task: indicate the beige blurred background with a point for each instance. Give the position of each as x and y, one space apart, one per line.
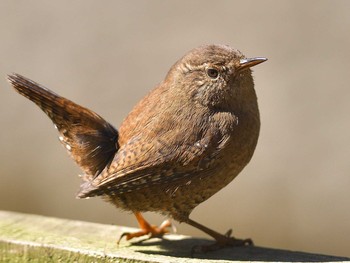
106 55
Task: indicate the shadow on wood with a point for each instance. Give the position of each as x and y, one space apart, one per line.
24 237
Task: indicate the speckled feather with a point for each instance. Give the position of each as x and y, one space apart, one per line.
187 139
88 138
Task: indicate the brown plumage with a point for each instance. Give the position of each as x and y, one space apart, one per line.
186 140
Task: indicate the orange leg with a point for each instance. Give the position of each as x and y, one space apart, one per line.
221 240
147 229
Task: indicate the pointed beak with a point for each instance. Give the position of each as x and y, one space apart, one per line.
250 62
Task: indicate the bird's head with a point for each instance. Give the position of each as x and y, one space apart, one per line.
215 76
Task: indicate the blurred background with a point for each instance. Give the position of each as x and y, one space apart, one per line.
106 55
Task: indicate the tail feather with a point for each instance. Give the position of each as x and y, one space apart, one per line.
90 140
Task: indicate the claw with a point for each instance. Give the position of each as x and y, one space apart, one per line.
146 229
224 242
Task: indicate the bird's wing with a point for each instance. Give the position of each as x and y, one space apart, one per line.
90 140
140 164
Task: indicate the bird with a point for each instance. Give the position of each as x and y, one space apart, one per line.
184 141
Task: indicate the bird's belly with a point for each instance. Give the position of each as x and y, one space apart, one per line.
178 200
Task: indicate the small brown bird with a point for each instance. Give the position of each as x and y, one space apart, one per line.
182 143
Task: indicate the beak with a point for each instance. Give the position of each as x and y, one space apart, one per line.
250 62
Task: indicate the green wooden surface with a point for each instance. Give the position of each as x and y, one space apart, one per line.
33 238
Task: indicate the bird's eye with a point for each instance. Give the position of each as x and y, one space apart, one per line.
212 73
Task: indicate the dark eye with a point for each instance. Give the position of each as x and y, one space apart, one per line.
212 73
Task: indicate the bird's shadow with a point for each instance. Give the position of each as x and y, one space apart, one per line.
183 248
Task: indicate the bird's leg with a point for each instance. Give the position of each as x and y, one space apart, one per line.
221 240
147 229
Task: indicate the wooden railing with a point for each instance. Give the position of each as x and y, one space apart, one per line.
34 238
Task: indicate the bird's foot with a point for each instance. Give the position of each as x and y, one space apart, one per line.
223 241
147 230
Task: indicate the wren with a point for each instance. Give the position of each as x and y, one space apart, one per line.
183 142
